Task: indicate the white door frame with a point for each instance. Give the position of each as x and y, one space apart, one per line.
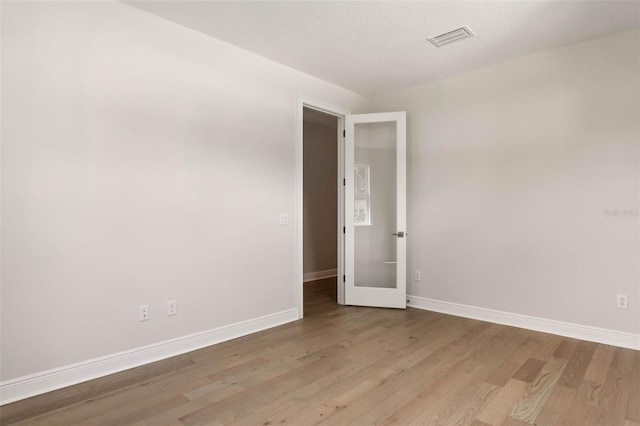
303 101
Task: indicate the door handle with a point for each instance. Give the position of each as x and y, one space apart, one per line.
399 234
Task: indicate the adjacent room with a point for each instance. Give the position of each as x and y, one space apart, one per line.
303 212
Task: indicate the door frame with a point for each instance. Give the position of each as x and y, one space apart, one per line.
303 101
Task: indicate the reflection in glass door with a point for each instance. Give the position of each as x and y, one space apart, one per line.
375 205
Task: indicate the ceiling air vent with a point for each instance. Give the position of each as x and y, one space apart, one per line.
451 37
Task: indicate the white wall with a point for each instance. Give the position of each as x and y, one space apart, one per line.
511 170
141 162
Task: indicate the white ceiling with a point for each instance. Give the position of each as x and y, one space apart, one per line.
377 47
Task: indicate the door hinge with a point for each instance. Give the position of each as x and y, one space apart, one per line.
344 278
344 182
344 229
344 133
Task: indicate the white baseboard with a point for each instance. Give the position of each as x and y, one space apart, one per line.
319 275
46 381
576 331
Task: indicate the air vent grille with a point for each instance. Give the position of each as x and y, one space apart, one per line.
451 37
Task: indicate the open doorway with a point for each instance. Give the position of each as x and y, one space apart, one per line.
320 259
319 207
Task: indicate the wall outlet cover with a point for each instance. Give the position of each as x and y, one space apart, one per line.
172 307
622 301
143 313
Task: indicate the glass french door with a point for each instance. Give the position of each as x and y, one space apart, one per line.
375 210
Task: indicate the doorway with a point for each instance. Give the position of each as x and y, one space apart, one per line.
384 132
314 256
319 196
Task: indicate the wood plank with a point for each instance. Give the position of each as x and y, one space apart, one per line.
499 407
566 348
589 393
510 421
529 370
466 407
615 390
173 414
574 371
536 395
633 404
548 346
581 414
503 373
599 366
554 412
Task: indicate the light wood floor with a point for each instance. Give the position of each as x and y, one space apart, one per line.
349 365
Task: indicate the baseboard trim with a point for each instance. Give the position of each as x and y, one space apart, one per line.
319 275
576 331
46 381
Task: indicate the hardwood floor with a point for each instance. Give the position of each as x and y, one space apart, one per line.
351 365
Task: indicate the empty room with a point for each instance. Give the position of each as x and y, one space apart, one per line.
320 212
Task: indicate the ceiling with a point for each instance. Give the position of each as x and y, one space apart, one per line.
376 47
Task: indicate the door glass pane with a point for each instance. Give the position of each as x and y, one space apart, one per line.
375 205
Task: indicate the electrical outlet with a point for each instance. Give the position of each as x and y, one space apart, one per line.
417 276
622 301
172 307
143 313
